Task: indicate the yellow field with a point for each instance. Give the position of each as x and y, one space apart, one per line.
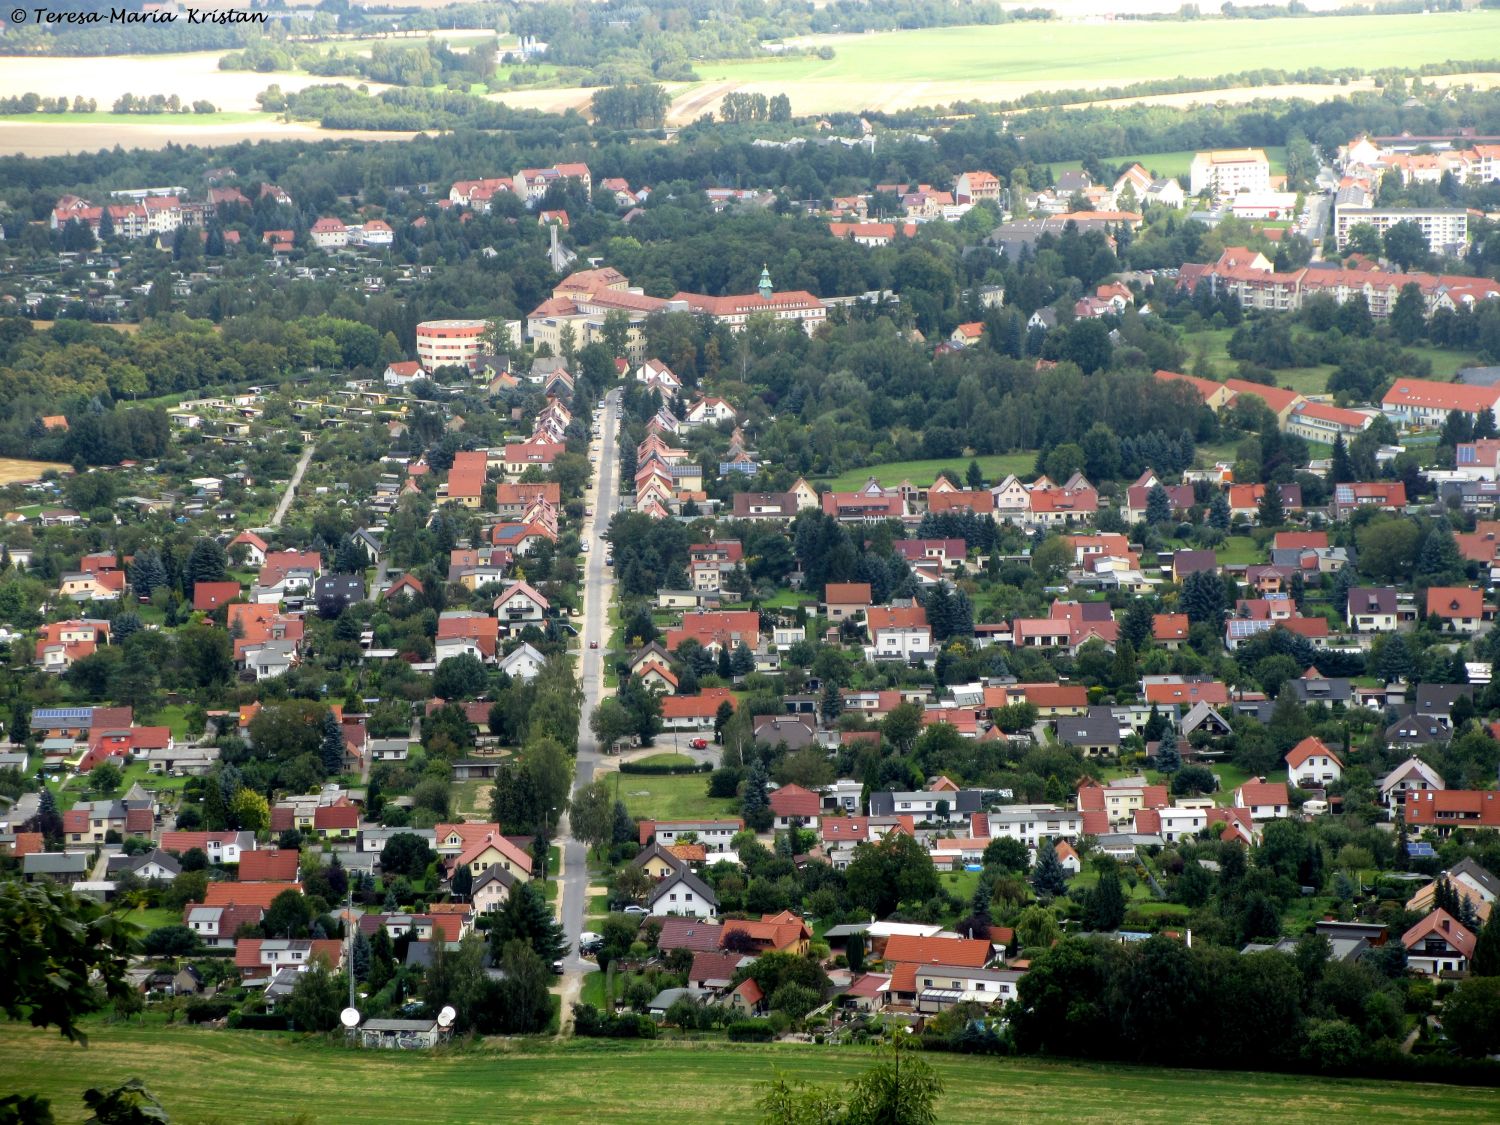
13 471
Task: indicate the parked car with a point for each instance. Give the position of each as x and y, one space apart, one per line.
593 644
699 744
634 909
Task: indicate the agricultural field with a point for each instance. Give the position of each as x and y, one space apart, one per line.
935 66
13 471
215 1076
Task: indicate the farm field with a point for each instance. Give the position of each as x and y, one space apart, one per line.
210 1076
995 467
13 470
935 66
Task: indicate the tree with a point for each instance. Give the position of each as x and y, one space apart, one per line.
593 815
755 802
523 994
1203 598
1406 245
1270 512
1471 1016
1219 515
288 916
363 957
610 722
105 779
206 563
1168 757
1409 315
459 677
527 917
407 854
1006 853
1341 470
1104 905
1048 876
1158 505
54 944
331 745
316 999
883 876
1486 959
250 811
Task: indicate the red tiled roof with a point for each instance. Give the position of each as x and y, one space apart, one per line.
793 800
246 894
269 865
972 953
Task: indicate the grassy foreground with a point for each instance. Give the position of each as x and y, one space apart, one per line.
214 1076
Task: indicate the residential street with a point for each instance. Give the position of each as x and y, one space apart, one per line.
291 486
598 589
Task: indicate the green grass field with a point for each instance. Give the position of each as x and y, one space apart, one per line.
671 798
1061 55
1239 550
221 1076
1170 163
994 466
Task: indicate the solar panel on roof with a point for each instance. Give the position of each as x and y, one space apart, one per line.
61 714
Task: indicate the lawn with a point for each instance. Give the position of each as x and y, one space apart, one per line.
175 715
1063 55
1171 163
203 1076
683 797
1239 550
994 466
153 919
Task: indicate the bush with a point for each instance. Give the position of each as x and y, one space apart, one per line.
207 1010
662 770
259 1021
751 1031
590 1023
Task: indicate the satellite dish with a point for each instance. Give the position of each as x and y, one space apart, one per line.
349 1017
447 1016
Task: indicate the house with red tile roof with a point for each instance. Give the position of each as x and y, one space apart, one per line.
792 803
1445 810
1458 609
209 596
1264 800
717 629
1312 764
1170 630
1213 395
246 894
771 933
1439 944
259 959
336 822
269 865
694 712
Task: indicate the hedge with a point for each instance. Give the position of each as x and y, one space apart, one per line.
751 1031
643 767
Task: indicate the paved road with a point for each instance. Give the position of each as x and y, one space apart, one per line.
598 590
291 487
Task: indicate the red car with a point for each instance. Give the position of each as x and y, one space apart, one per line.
699 744
593 644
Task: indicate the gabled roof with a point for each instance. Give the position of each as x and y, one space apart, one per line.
269 865
1441 924
246 894
972 953
1310 747
794 800
687 879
